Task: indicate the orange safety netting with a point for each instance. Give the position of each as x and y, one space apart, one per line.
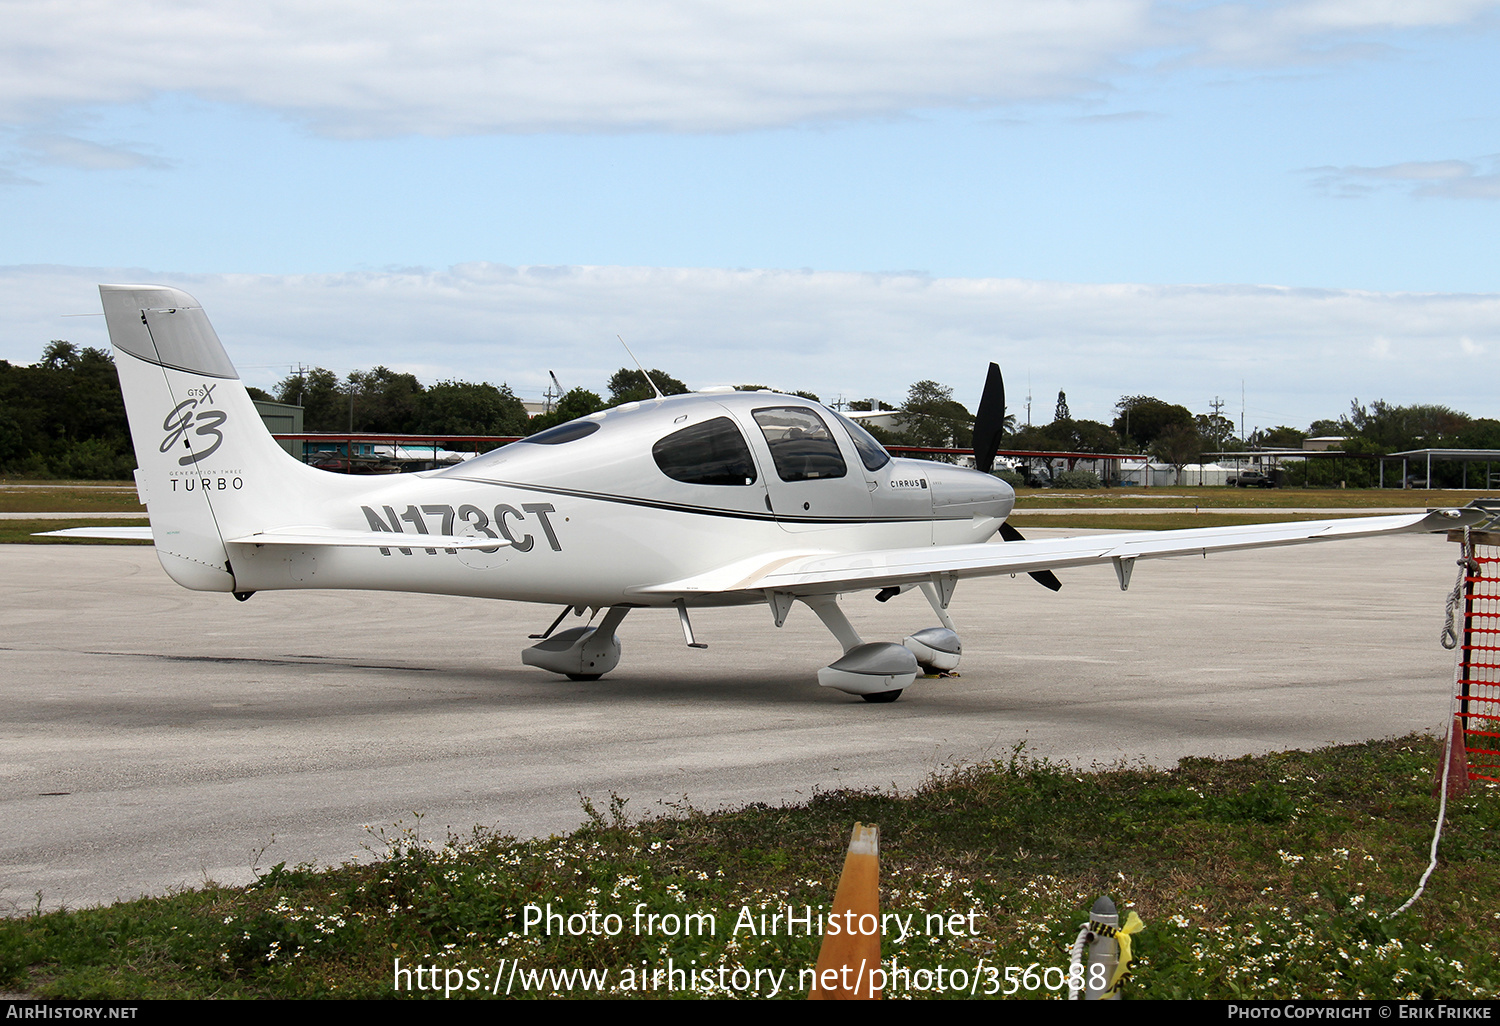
1479 672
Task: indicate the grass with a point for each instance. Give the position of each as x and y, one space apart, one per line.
22 532
1256 877
36 496
1244 498
77 497
1206 500
1161 521
30 496
22 496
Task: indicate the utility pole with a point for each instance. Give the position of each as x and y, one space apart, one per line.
548 394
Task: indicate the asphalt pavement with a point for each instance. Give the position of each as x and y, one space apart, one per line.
155 738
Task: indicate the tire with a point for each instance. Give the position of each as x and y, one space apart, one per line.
592 676
883 696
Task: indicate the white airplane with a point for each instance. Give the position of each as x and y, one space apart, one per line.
716 498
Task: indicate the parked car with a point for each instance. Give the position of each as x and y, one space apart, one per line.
1250 479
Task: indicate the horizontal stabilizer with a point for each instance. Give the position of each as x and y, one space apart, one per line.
100 533
305 536
302 537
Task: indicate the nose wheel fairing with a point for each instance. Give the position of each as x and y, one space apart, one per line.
936 649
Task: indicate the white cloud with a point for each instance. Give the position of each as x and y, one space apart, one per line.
1116 118
474 66
1291 32
1469 187
1420 171
1300 352
1447 179
69 151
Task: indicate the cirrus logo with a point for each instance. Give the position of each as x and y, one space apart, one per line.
186 416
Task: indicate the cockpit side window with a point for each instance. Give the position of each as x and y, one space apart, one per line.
569 432
711 453
800 443
871 453
572 430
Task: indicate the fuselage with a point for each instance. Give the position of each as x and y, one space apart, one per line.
645 493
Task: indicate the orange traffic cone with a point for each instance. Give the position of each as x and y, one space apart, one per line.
850 956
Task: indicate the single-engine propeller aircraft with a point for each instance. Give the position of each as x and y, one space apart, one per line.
716 498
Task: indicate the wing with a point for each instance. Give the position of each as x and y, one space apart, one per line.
812 573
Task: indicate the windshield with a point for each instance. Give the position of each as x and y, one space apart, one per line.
871 453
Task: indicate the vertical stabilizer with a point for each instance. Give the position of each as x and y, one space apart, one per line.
209 469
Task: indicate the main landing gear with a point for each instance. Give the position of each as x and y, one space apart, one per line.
580 653
875 671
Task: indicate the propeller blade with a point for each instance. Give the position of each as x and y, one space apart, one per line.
989 422
1046 578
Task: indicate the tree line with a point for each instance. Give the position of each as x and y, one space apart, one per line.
385 401
1173 434
63 417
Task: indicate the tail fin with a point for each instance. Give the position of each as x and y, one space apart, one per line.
209 469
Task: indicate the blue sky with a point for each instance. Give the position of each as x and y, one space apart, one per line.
1107 196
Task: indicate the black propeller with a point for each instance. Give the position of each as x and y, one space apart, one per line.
1046 578
989 422
989 425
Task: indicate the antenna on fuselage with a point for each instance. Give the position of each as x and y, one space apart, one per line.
643 371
